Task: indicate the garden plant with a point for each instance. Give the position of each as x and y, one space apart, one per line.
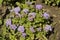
25 21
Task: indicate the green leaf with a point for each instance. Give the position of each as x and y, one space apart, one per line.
4 30
1 1
0 21
28 31
28 38
22 38
12 37
32 36
25 5
17 3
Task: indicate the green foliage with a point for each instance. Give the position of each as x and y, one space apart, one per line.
1 2
52 2
38 21
0 21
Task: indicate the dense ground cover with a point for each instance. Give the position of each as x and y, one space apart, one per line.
26 21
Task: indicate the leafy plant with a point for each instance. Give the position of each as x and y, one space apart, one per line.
52 2
31 23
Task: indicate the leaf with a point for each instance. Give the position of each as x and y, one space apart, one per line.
17 3
28 38
1 1
28 31
32 36
4 30
0 21
25 5
12 37
44 37
22 38
2 38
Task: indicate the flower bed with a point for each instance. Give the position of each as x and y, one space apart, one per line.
27 22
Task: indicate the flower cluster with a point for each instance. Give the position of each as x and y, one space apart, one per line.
39 7
46 15
48 28
8 22
31 16
21 29
32 29
25 10
51 3
16 10
29 23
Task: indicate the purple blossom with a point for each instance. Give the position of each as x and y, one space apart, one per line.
13 27
16 10
33 14
21 29
8 22
48 28
39 7
38 29
46 15
32 29
25 10
24 35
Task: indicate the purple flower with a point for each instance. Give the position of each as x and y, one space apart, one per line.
38 29
39 7
46 15
8 22
32 29
13 27
16 10
48 28
32 15
25 10
21 29
24 35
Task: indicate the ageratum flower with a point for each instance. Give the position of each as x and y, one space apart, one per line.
32 29
8 22
16 10
24 35
31 16
13 27
48 28
21 29
39 7
46 15
25 10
